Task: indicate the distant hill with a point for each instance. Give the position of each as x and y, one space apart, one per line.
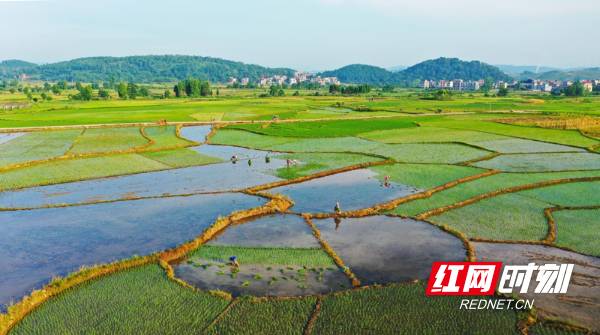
559 75
142 69
436 69
15 64
363 74
452 68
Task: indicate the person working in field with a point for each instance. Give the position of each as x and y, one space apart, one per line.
233 261
337 208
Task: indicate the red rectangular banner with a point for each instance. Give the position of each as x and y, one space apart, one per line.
463 278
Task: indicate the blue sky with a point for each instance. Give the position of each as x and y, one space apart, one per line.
307 34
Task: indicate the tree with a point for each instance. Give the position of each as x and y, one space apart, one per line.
14 83
334 88
273 90
281 93
103 94
122 90
218 90
47 87
62 85
443 95
12 90
487 84
43 95
296 94
388 88
144 92
48 98
167 94
87 93
95 86
78 86
29 96
503 91
26 90
132 90
596 88
576 90
56 89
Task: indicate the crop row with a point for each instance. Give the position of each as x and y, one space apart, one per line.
74 169
164 137
181 157
263 256
579 229
37 146
138 301
504 217
108 139
480 186
543 162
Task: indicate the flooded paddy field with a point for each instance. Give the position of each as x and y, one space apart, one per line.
271 283
196 179
353 189
195 133
581 303
5 137
383 249
268 231
45 243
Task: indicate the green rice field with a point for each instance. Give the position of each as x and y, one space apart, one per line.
141 300
583 194
37 146
265 255
579 229
313 163
165 137
425 176
181 157
97 140
543 162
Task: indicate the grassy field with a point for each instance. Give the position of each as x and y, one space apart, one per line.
543 162
74 169
181 157
582 194
505 217
313 163
108 139
139 301
270 317
247 139
165 137
37 146
264 255
406 310
579 229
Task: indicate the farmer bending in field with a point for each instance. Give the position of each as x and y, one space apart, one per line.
234 261
337 208
288 162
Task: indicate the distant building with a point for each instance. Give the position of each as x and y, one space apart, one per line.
470 86
292 81
232 80
23 76
245 81
424 84
444 85
263 81
457 84
588 85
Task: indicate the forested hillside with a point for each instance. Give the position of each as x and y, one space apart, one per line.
363 74
141 69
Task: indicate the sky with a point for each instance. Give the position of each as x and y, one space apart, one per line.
307 34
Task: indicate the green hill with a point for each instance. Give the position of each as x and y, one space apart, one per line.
589 74
436 69
452 68
144 69
363 74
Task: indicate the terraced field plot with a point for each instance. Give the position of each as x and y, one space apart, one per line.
429 134
543 162
425 176
517 145
313 163
108 139
125 302
583 194
484 185
579 229
505 217
181 157
37 146
165 137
